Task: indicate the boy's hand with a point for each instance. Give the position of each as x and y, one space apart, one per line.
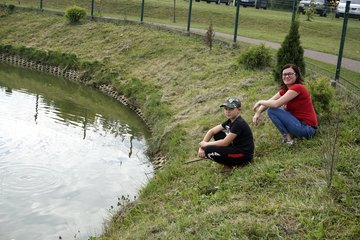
201 153
203 144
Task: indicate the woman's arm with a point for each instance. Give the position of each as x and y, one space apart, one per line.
276 101
259 108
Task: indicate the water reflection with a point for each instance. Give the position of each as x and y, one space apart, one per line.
67 153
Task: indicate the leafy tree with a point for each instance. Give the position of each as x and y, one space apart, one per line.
310 11
290 51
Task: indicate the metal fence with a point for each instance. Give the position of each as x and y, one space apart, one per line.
169 12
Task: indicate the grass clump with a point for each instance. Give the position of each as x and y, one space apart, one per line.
74 14
49 57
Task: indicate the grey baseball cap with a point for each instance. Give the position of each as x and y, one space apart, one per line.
231 102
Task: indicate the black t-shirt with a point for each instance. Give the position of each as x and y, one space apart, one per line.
244 138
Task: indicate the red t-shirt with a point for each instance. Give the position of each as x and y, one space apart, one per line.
301 106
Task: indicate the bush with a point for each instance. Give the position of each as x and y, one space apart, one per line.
256 57
322 95
11 8
74 14
6 10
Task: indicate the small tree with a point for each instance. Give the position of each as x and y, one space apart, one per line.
209 37
290 51
310 11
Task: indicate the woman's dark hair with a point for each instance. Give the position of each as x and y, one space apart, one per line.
296 69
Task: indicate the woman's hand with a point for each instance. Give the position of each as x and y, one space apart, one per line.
257 105
256 118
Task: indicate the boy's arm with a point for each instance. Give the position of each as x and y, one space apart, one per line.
207 138
212 132
222 142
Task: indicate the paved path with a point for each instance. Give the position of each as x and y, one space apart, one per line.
347 63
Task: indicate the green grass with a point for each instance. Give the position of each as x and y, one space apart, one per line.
282 195
321 34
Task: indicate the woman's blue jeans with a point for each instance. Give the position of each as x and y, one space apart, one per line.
286 123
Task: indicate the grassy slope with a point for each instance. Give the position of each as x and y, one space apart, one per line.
321 34
282 195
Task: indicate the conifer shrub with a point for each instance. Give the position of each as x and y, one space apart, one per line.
74 14
290 52
256 57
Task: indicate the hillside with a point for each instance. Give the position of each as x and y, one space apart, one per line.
282 195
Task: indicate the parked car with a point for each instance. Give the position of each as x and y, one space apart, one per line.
227 2
261 4
245 3
252 3
354 11
320 6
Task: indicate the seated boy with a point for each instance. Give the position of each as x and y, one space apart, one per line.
234 143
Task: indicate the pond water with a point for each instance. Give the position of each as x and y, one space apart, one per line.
68 153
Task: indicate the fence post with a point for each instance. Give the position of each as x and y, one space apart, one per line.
342 41
41 5
236 19
142 10
189 16
92 9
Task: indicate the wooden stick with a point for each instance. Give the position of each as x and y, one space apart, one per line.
196 160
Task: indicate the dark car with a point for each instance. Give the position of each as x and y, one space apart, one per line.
245 3
252 3
227 2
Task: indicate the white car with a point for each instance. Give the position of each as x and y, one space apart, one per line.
354 10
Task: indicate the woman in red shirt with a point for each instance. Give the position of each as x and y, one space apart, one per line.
291 109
